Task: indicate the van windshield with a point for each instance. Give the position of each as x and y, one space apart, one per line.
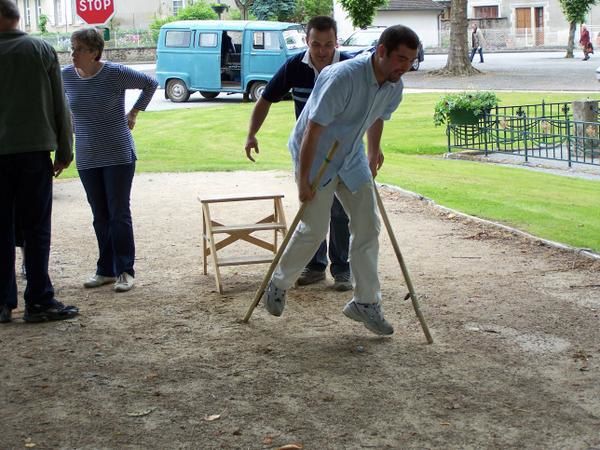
294 38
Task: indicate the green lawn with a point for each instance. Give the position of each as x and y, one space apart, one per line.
212 139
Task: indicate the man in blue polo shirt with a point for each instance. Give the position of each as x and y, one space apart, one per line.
299 74
350 99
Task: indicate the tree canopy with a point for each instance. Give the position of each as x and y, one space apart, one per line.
362 12
282 10
306 9
576 10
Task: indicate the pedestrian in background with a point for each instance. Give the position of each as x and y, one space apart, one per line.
105 150
477 42
35 121
585 42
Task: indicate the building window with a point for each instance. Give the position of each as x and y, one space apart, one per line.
59 12
27 13
485 12
177 5
38 9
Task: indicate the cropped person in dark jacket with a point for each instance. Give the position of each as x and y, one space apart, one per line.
35 121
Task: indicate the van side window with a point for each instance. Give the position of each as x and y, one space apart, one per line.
176 38
265 40
207 40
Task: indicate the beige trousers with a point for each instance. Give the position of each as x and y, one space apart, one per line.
361 207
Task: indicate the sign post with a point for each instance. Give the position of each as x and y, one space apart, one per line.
95 12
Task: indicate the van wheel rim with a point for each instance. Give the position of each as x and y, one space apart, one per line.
176 91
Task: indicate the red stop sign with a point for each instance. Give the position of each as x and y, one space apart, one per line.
95 12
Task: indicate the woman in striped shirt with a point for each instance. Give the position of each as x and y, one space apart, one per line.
105 151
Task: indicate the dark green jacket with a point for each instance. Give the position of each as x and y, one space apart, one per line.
34 115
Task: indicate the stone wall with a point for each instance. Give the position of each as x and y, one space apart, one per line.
123 55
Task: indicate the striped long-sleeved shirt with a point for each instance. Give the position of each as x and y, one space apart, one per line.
102 137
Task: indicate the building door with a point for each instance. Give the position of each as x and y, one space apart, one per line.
523 31
539 25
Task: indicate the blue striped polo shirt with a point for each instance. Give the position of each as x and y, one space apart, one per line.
299 75
102 137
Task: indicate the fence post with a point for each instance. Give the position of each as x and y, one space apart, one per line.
525 137
497 123
543 108
568 141
448 136
485 132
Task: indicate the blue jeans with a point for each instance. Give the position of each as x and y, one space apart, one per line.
339 242
26 180
108 192
477 50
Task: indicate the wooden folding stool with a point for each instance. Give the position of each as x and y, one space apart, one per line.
237 232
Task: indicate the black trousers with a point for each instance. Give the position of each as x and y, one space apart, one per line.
26 184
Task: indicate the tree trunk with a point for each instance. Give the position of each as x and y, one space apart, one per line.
244 6
571 43
458 62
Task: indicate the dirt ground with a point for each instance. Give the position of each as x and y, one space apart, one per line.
515 362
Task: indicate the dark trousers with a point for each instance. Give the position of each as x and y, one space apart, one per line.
475 50
339 242
108 191
26 184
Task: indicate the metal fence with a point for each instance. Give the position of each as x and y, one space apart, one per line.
118 39
543 131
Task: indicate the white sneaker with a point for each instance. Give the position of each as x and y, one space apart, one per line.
98 280
274 300
371 315
124 283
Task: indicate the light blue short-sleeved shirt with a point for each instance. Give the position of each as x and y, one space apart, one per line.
346 100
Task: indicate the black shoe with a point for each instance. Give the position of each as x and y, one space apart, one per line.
342 282
54 311
310 276
5 314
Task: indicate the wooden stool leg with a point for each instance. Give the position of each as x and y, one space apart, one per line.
280 217
204 238
213 249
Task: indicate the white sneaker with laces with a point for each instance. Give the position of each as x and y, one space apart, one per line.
124 282
371 315
98 280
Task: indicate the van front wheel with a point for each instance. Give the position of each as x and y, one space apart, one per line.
177 91
257 89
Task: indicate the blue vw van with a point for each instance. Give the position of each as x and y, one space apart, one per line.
213 56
